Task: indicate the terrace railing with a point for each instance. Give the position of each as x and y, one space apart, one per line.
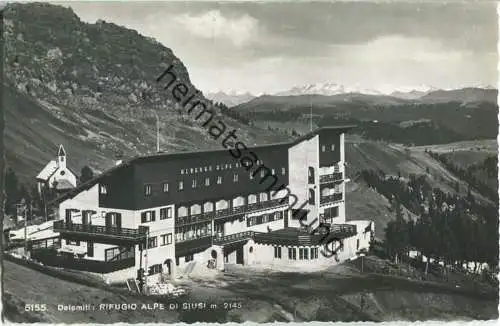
99 230
227 212
336 176
331 198
226 239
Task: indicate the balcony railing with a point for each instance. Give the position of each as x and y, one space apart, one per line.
336 176
51 258
99 230
227 212
331 198
234 237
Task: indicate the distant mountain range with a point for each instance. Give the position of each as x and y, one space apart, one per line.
230 99
424 92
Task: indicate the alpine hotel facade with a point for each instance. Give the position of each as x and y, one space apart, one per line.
166 213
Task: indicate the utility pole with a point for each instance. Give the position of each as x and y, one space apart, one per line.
23 203
157 132
146 261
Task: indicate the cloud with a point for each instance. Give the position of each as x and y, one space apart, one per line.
240 31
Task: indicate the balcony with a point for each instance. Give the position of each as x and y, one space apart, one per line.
193 219
266 204
333 177
234 212
231 238
330 199
95 232
51 258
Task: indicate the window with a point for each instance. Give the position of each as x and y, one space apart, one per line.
219 180
195 170
235 177
292 253
333 147
62 173
191 170
217 167
357 244
73 243
90 248
103 190
207 182
303 253
283 171
251 175
152 242
314 253
119 253
277 252
165 213
323 148
182 171
209 168
273 172
312 195
332 212
193 184
166 239
147 190
188 258
165 187
155 269
148 216
262 173
181 185
237 165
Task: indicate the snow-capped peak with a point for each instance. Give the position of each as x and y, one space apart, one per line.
327 89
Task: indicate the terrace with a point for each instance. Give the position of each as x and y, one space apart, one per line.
104 233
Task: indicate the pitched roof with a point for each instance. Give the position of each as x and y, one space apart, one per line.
87 185
48 171
64 184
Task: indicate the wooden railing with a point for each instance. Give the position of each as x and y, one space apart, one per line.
51 258
336 176
234 237
330 198
111 231
227 212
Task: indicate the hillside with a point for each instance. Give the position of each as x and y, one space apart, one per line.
366 203
91 87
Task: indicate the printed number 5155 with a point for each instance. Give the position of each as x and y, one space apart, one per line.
35 307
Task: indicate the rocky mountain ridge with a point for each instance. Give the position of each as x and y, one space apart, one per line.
91 87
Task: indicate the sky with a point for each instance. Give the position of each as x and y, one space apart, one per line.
271 47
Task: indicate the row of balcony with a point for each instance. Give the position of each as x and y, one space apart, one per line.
227 212
52 258
134 235
336 176
330 198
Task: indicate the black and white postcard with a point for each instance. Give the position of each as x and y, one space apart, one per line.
216 162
